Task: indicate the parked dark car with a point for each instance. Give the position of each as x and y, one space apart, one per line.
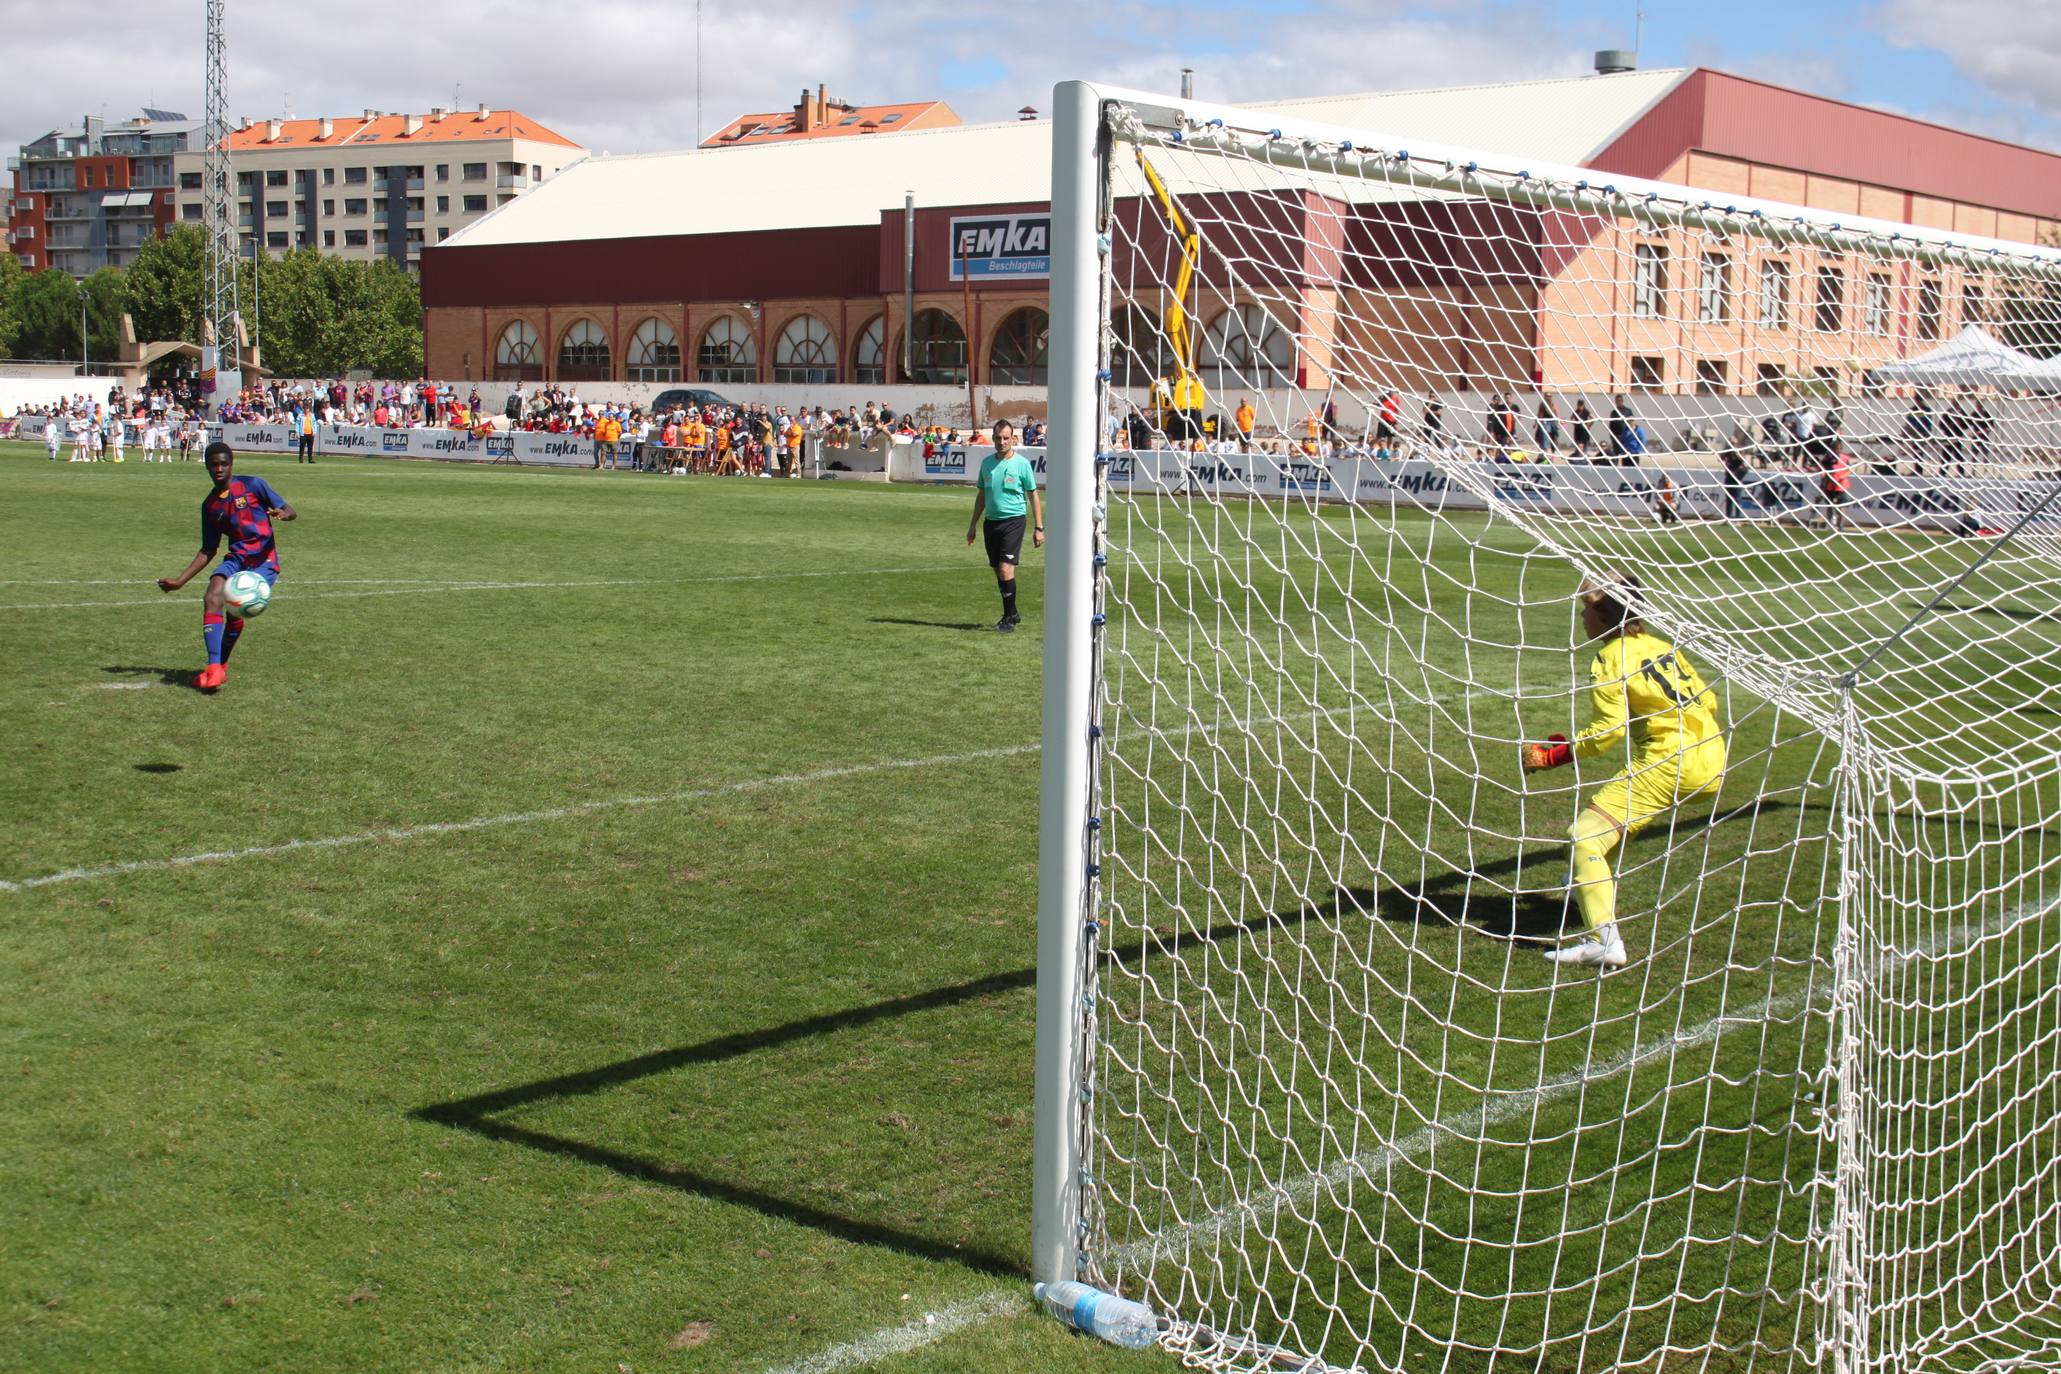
686 396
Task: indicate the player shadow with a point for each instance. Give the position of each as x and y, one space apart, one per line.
170 677
1494 897
1477 900
930 624
159 767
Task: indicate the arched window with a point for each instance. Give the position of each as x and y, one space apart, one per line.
728 353
869 356
1018 355
938 355
515 355
583 353
1139 354
1246 347
654 353
805 352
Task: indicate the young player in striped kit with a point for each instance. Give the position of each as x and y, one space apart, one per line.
240 509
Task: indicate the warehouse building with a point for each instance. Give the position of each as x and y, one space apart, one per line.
783 262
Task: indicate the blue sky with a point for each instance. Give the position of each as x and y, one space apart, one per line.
1989 65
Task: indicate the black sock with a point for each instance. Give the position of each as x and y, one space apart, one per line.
1008 586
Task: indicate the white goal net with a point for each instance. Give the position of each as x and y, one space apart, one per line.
1366 419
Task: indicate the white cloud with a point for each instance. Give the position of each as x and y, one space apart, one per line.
2010 48
620 75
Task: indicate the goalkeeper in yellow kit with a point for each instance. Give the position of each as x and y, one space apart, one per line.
1642 686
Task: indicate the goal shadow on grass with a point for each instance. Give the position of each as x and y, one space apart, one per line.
1445 899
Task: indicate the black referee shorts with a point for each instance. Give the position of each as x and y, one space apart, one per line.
1004 540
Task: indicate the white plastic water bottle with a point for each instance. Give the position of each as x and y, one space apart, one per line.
1116 1320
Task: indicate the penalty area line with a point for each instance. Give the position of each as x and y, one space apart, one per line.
446 589
555 813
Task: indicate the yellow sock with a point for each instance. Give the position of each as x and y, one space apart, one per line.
1595 887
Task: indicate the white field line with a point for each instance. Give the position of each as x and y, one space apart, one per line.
1468 1125
119 686
1464 1125
899 1340
450 587
556 813
145 580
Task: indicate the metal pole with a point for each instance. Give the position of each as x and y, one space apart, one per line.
966 309
83 361
908 284
1065 772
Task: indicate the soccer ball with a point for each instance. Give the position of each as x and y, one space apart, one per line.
246 594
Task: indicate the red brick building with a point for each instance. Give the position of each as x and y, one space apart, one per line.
784 262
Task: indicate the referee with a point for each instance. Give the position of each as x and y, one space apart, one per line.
1006 486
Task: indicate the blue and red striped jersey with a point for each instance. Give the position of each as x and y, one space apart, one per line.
240 513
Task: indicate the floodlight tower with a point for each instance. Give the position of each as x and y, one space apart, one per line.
217 194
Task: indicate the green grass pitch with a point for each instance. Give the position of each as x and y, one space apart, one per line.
634 966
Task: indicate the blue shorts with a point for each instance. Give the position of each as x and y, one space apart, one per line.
229 567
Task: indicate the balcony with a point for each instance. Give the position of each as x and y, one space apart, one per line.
60 211
14 164
414 183
415 216
415 252
512 181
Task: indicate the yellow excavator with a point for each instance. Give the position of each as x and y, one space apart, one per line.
1180 405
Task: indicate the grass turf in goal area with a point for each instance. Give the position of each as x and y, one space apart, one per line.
629 956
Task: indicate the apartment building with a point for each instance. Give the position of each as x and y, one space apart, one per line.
89 196
376 185
823 115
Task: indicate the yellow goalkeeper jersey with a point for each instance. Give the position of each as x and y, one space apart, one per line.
1646 685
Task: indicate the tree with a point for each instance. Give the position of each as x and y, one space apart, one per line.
325 316
322 316
46 306
167 285
12 275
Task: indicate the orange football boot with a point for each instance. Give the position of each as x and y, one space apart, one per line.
211 677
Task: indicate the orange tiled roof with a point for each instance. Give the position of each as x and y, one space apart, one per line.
456 126
784 126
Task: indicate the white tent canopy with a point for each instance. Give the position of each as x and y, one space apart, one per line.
1974 357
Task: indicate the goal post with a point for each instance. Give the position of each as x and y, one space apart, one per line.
1339 425
1065 771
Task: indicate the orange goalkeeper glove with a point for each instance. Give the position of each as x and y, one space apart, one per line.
1554 753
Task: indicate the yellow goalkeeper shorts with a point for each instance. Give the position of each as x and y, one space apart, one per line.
1653 787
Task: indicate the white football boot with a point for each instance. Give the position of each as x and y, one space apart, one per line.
1604 949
